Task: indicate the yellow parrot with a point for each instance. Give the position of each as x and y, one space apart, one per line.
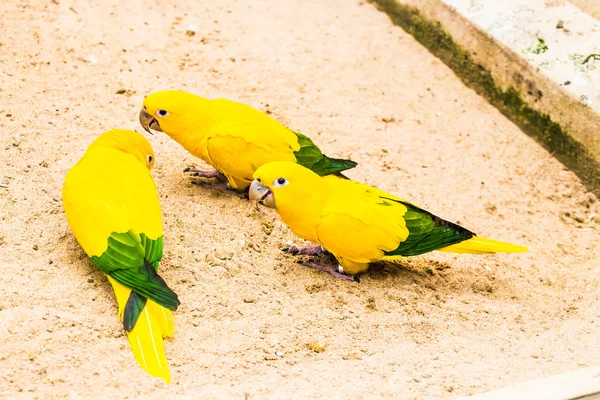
112 207
356 223
232 137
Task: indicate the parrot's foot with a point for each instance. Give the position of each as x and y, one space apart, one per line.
317 251
331 269
223 188
205 174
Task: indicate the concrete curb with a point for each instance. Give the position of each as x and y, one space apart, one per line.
581 384
565 119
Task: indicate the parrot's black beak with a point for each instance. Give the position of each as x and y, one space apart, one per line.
261 194
148 121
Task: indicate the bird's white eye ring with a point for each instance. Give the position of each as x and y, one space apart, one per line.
149 158
162 113
280 182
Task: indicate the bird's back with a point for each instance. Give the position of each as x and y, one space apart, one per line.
236 139
108 191
231 118
359 223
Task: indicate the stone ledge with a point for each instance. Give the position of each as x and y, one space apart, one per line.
582 384
526 58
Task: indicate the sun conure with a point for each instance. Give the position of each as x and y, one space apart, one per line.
112 207
356 223
232 137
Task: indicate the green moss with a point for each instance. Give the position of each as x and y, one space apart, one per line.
539 48
594 57
510 102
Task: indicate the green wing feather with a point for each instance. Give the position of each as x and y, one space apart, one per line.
427 232
132 260
133 309
310 156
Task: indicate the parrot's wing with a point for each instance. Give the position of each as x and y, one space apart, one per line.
238 149
146 322
267 140
377 214
311 157
359 226
132 260
253 126
427 232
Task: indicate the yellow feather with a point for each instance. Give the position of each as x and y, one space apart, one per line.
146 338
479 245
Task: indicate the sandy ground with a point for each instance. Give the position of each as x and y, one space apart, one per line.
340 72
591 7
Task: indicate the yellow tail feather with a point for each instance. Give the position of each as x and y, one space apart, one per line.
146 338
478 245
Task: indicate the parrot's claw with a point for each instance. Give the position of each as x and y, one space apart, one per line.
205 174
307 251
222 185
331 269
223 188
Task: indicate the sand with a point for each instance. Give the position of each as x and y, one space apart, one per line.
589 6
340 72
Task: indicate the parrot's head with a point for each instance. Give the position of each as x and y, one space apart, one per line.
170 111
128 141
282 184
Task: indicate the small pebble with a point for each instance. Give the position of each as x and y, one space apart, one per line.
279 353
318 347
584 100
546 280
224 255
254 247
92 59
16 139
191 30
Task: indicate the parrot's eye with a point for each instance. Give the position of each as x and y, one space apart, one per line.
162 113
150 158
280 182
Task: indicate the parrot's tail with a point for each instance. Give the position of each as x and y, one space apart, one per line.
146 338
479 245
